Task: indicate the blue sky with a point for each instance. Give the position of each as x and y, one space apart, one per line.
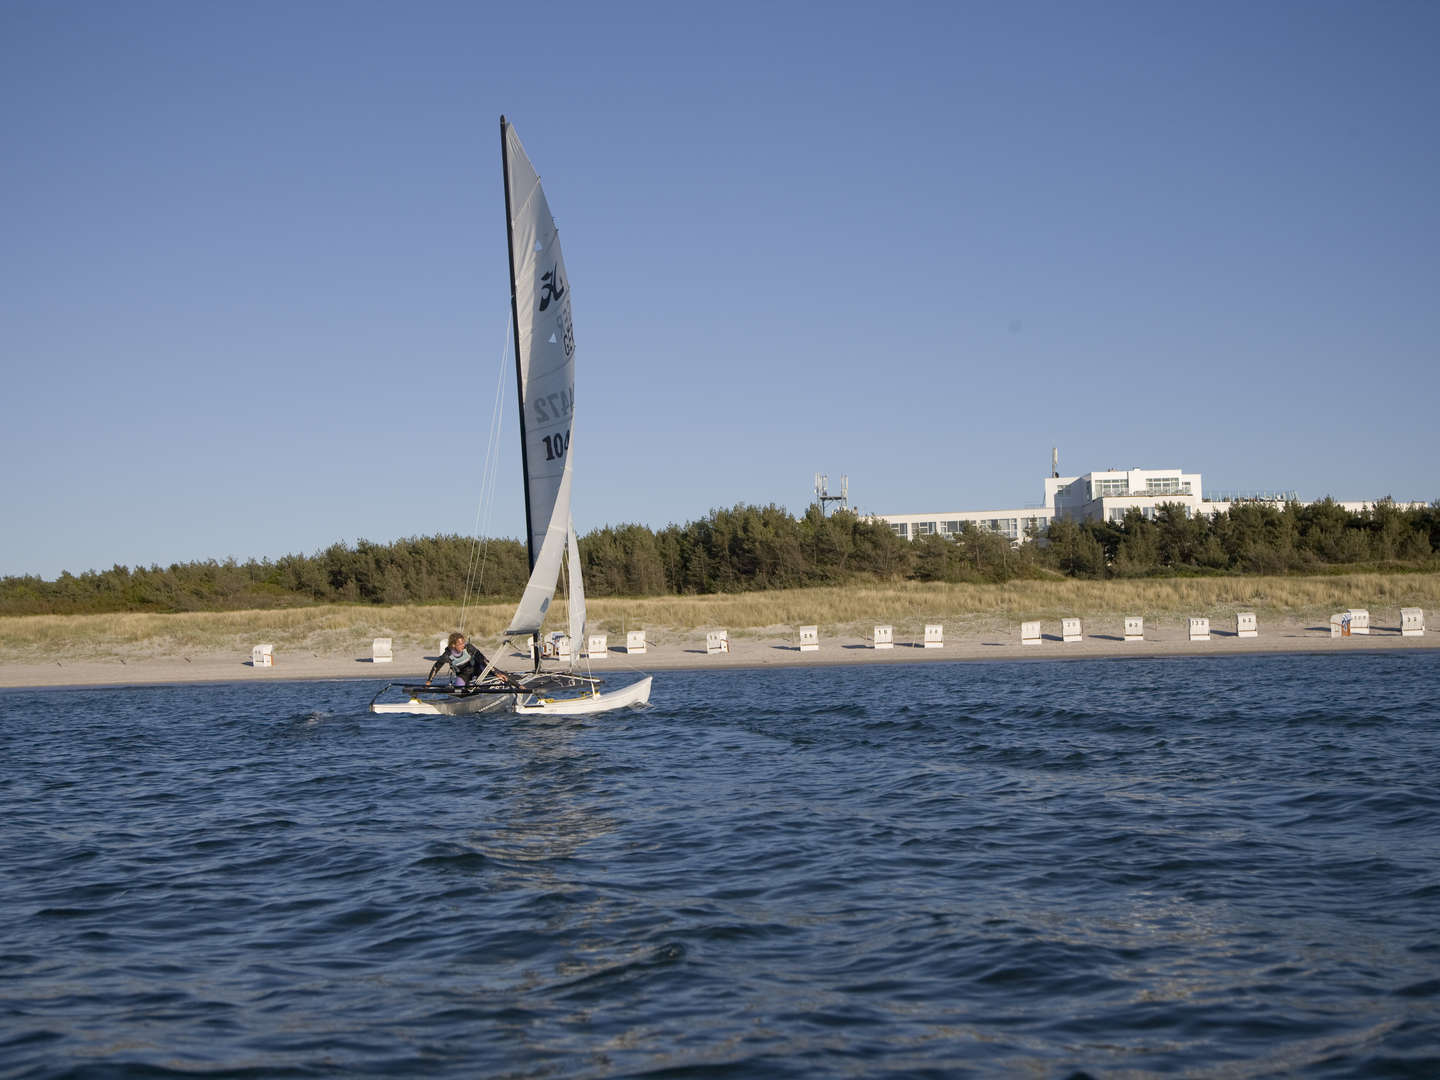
254 296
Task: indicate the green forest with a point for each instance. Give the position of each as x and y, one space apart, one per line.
763 547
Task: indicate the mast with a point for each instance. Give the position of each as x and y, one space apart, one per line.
515 325
519 369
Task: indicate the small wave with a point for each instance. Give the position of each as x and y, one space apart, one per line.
597 977
452 857
308 719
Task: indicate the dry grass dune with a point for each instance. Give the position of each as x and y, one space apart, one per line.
838 611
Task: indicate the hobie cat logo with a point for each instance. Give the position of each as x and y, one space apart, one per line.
554 288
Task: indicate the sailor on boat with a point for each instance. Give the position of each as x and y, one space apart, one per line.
466 662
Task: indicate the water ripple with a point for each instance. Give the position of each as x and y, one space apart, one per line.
1089 868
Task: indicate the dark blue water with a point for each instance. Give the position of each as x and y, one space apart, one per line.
1224 867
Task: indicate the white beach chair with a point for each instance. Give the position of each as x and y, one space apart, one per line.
1412 622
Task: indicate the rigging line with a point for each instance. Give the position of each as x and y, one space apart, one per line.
477 549
480 549
488 480
494 654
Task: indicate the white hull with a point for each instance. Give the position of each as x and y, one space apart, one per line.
452 707
637 693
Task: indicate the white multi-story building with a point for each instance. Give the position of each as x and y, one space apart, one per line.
1096 496
1109 495
1018 525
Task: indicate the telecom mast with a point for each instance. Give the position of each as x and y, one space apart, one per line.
822 491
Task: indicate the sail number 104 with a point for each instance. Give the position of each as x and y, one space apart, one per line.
556 445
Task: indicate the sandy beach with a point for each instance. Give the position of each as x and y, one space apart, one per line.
760 650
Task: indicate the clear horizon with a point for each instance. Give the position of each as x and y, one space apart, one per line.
256 300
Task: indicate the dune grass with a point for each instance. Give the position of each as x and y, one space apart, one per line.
839 611
854 609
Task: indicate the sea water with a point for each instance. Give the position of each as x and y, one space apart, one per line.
1211 867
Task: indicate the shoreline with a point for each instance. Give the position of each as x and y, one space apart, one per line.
746 653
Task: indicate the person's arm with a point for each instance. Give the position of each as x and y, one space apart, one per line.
482 663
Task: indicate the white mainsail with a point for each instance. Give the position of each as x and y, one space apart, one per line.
540 589
545 370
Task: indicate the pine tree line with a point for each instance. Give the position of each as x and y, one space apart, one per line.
1251 538
760 547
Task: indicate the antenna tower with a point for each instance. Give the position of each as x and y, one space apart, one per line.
822 491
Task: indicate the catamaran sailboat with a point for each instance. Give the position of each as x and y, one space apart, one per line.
545 378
